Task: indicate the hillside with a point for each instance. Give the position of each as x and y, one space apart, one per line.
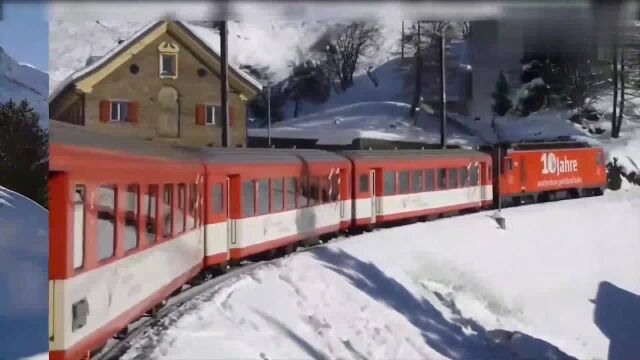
20 81
24 250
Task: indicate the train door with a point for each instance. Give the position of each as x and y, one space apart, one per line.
372 195
230 222
511 174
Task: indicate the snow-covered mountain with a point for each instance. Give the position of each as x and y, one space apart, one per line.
23 81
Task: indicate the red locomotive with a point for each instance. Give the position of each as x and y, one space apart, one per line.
132 221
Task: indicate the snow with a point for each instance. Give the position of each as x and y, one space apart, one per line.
273 10
373 120
444 289
367 111
24 82
24 250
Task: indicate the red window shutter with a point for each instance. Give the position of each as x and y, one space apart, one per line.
231 116
200 114
133 112
105 110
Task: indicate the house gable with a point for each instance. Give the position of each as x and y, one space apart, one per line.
188 40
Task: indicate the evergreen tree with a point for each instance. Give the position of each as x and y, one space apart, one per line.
23 151
501 102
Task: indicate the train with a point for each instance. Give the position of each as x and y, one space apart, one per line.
132 221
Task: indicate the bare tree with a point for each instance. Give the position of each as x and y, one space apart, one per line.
342 47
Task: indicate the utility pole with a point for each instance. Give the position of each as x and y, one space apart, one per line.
443 87
402 42
269 114
502 223
224 81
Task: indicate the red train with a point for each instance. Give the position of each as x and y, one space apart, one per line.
132 221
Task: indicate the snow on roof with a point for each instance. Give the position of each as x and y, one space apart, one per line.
85 70
199 32
211 39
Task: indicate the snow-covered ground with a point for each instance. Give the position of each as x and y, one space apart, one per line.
24 82
24 250
368 111
562 273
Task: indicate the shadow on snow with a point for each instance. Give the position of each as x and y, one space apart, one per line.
440 334
617 315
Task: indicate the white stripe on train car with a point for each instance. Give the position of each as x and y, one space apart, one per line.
113 289
259 229
397 204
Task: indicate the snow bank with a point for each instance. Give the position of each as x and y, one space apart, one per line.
453 288
372 120
24 250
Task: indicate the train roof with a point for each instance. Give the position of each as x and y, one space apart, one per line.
75 135
410 154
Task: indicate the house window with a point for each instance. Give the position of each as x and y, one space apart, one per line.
168 65
212 110
119 110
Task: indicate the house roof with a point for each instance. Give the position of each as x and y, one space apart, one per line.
198 34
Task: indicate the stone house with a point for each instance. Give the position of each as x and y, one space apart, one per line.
162 84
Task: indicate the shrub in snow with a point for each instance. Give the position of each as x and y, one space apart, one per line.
501 102
614 175
532 97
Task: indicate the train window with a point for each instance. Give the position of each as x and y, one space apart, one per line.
364 183
248 198
78 226
464 176
217 202
416 181
324 189
149 212
277 194
429 183
292 185
131 218
263 197
389 182
442 179
182 207
510 164
312 191
474 175
453 178
490 173
191 217
334 187
167 209
303 186
106 204
403 182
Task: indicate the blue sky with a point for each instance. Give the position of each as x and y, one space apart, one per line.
24 31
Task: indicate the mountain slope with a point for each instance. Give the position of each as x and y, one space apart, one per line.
24 234
24 82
